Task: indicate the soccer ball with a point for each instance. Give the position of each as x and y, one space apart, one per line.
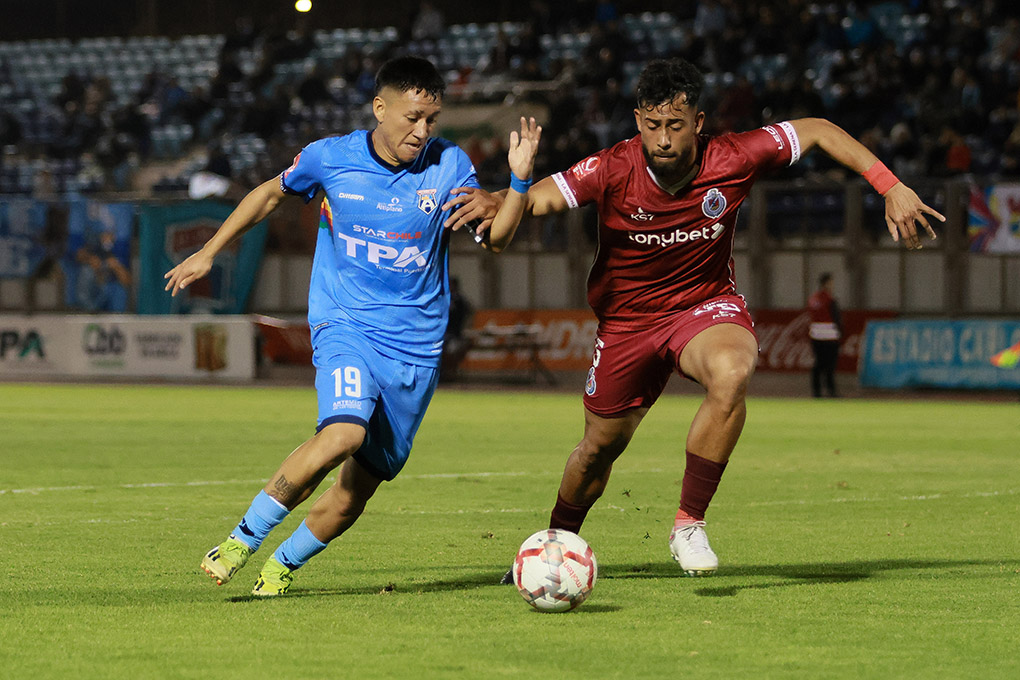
555 570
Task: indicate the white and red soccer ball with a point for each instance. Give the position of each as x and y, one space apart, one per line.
555 570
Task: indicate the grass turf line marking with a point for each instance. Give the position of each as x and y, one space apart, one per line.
223 482
35 491
922 497
159 485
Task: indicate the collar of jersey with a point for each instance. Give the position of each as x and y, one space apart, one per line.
378 159
673 189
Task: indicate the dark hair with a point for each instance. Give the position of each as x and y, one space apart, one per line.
663 80
410 73
824 279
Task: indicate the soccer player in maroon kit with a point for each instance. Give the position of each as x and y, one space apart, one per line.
662 282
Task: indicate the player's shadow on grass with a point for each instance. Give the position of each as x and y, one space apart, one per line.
468 582
791 574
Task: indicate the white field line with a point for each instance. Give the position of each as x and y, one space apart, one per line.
35 491
924 497
224 482
510 511
491 511
608 506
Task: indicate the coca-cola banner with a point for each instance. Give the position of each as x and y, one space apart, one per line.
783 336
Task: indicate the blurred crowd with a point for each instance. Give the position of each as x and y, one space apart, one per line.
931 86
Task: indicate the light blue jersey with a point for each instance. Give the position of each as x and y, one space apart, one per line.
381 258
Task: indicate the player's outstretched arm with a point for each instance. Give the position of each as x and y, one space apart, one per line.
903 209
521 159
472 203
253 208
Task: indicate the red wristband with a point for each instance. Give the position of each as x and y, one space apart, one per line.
880 177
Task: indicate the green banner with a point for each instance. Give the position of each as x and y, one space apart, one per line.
170 233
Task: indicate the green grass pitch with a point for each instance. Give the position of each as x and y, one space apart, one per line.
857 539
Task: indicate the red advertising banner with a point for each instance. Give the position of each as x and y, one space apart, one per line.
785 346
285 342
563 339
509 339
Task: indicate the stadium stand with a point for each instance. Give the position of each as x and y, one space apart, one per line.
91 115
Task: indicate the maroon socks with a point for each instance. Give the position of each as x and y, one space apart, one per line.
567 515
701 479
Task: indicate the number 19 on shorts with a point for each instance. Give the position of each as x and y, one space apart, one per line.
348 382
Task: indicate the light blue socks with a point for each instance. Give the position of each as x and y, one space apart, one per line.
264 514
299 548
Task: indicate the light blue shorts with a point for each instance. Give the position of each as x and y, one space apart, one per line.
388 397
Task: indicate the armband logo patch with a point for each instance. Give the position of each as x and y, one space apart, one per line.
586 167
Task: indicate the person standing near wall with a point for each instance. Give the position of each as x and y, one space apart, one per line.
825 331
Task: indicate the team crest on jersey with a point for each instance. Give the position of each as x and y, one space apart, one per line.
589 385
586 167
713 204
427 201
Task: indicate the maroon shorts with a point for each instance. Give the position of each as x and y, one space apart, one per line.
630 368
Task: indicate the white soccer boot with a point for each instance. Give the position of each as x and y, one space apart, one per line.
689 545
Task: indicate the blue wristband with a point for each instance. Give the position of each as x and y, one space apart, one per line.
519 185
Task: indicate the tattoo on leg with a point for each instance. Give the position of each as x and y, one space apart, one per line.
283 490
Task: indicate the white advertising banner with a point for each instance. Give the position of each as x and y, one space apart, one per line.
175 347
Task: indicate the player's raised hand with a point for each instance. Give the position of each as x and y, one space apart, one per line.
904 211
472 204
195 267
523 148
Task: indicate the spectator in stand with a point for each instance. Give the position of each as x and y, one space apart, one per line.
313 90
738 107
104 278
860 29
958 157
904 151
1010 163
172 101
605 11
709 19
428 23
862 76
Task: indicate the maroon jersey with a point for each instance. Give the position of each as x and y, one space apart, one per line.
659 252
824 312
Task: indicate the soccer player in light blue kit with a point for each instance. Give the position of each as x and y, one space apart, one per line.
377 306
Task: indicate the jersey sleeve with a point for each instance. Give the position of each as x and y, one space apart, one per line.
465 170
303 177
770 147
585 181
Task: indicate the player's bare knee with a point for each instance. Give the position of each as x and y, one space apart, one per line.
600 450
730 376
336 443
350 506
